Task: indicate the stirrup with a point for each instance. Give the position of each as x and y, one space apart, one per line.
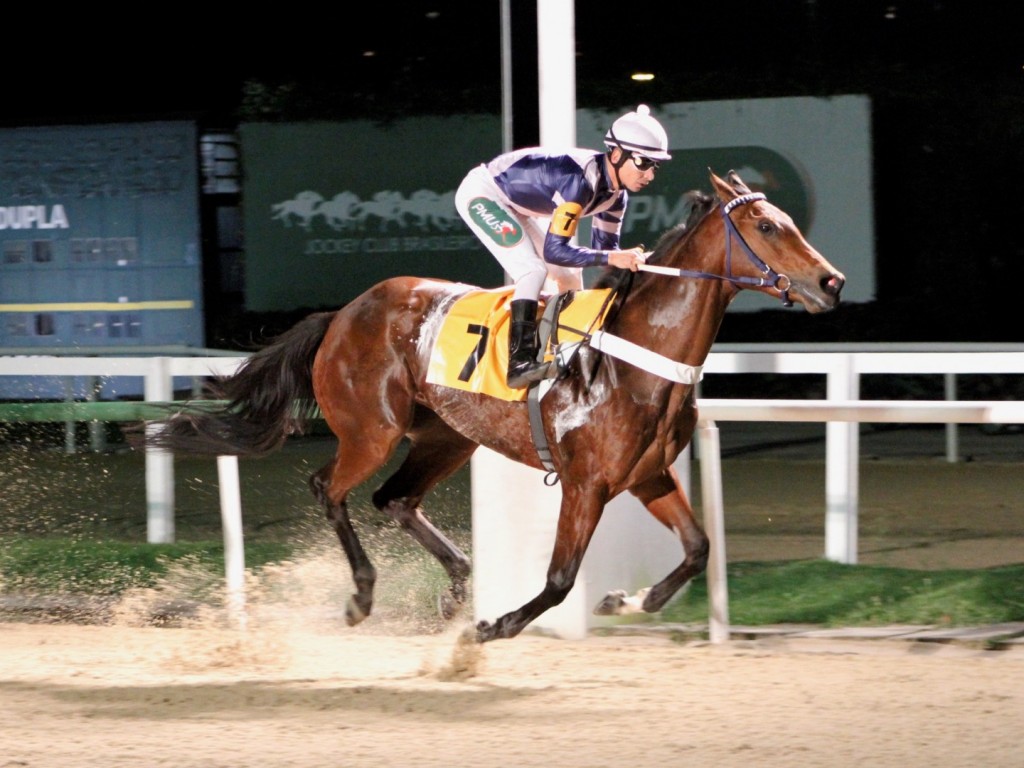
530 374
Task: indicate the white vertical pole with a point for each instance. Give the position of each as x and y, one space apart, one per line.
556 66
234 545
556 80
514 513
714 527
159 463
842 453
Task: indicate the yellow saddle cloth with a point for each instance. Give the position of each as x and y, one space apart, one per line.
471 350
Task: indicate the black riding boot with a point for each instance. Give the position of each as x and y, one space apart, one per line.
523 345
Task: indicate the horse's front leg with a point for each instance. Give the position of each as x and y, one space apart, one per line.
577 521
665 499
409 516
435 453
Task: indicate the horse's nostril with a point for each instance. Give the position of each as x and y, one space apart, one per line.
833 284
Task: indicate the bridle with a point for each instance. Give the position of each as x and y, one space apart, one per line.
769 277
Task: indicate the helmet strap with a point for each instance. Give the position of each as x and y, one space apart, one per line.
623 157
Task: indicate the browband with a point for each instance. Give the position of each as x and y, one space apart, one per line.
743 200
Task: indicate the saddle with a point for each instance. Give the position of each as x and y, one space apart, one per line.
471 349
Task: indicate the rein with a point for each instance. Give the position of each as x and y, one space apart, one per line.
769 277
646 359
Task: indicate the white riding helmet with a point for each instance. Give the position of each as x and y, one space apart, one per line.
639 132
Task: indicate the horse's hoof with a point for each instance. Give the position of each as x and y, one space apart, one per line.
484 631
353 613
618 603
611 604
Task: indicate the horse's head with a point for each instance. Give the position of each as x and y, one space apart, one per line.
765 244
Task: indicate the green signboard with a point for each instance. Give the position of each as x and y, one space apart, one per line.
333 208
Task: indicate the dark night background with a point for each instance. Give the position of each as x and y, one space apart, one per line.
945 80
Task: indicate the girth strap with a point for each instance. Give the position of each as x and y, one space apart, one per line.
540 441
533 396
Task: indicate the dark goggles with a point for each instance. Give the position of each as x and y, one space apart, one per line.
644 163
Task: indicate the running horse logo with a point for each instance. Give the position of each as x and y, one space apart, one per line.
387 206
347 212
341 212
303 207
429 209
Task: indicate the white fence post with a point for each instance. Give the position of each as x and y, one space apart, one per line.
234 545
159 463
714 527
842 455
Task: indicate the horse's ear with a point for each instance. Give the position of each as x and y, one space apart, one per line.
737 183
722 188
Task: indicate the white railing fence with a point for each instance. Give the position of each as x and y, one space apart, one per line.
512 533
158 375
842 411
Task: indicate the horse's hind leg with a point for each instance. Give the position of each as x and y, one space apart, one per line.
354 462
436 451
665 499
364 575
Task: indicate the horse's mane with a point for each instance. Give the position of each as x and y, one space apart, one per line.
698 204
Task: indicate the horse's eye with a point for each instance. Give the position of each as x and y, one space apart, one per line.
765 227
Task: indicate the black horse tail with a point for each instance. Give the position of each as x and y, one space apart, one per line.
253 411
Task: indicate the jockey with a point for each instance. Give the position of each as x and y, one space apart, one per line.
525 205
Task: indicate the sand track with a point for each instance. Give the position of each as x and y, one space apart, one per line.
129 696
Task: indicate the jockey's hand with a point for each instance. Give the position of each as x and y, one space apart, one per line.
631 259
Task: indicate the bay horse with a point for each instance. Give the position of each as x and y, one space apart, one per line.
612 426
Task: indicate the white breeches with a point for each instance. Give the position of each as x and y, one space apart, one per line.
521 261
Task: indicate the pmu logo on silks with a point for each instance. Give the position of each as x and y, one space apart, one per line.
495 222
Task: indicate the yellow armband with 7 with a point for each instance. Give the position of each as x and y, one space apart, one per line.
565 219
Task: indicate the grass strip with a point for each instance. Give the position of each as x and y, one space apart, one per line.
833 594
817 592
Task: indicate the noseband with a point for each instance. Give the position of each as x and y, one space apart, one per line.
769 277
